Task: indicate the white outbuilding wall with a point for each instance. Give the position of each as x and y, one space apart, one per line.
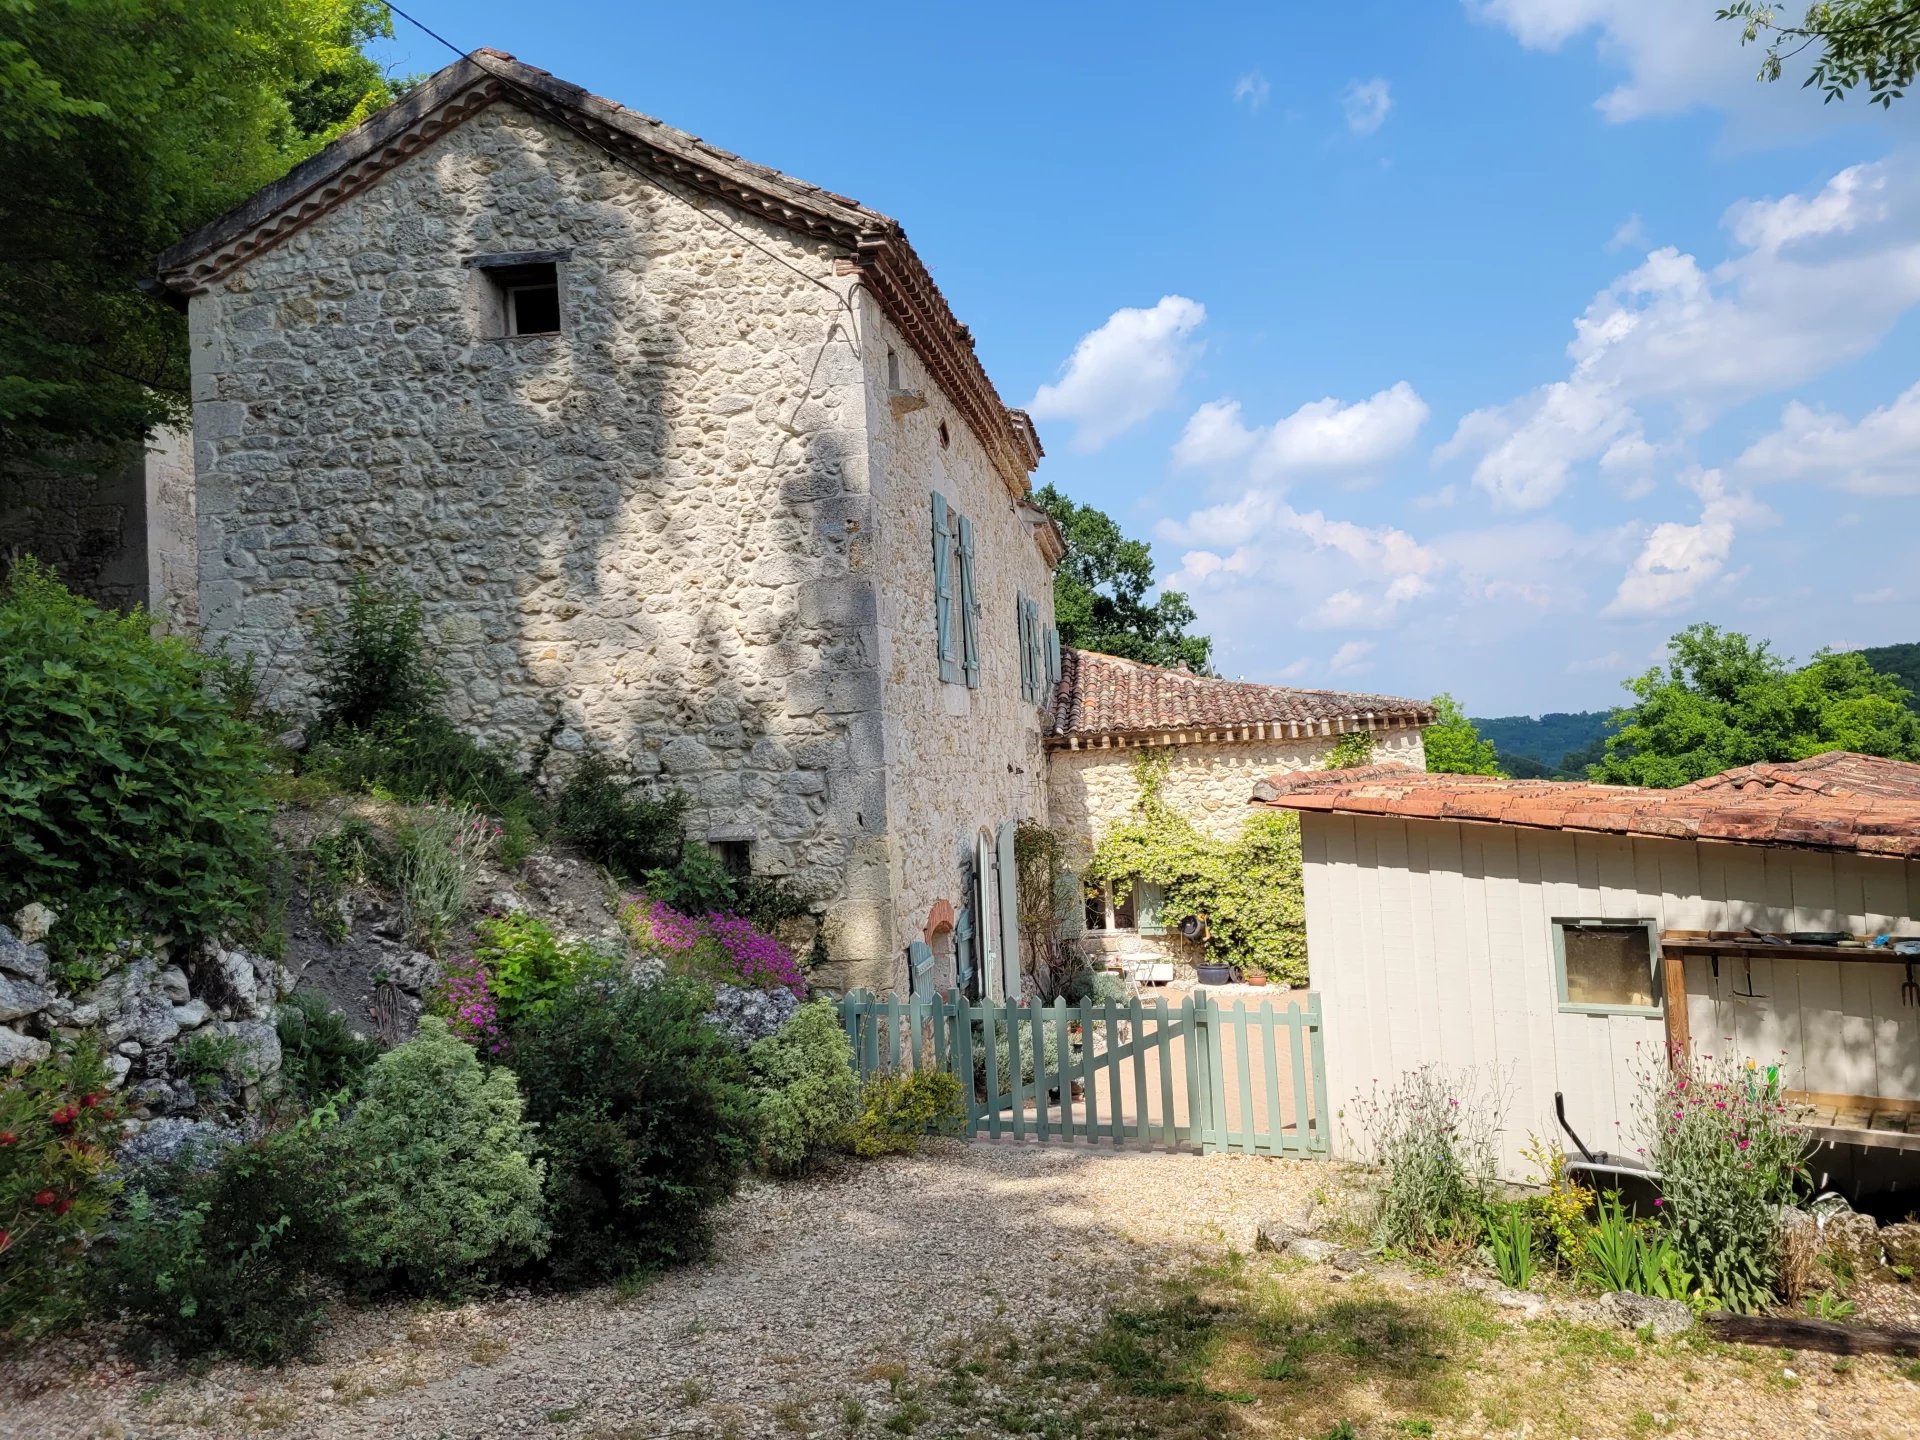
1432 942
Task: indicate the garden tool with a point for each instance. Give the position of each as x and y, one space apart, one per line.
1910 992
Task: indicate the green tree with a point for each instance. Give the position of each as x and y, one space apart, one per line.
124 124
1855 42
1454 746
1724 700
1100 593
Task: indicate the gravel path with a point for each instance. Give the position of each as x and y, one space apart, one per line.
819 1290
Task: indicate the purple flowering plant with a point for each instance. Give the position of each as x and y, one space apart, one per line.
717 946
465 997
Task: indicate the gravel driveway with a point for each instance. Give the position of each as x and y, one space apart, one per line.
819 1293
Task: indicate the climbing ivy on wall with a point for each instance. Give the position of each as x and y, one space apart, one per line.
1249 888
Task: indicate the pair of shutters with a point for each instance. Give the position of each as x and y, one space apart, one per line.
955 597
1039 654
996 906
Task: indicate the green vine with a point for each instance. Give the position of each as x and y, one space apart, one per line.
1248 888
1351 750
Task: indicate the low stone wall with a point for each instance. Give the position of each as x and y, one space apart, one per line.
142 1012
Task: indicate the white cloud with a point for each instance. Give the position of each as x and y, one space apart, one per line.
1252 90
1878 455
1366 103
1677 561
1612 660
1350 657
1885 595
1321 437
1675 55
1123 372
1630 235
1819 278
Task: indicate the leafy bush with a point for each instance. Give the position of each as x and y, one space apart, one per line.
437 858
607 822
1562 1207
1351 751
1718 1134
1249 888
1434 1137
372 661
56 1125
1003 1056
805 1088
442 1191
898 1111
238 1259
320 1055
719 948
527 966
645 1123
130 800
202 1059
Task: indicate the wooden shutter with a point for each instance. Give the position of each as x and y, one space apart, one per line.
1053 657
943 588
986 897
1009 911
1026 650
969 609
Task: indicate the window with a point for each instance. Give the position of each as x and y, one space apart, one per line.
1606 966
1138 910
521 293
735 856
945 439
1039 653
956 604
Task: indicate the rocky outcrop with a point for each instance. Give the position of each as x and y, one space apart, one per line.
142 1011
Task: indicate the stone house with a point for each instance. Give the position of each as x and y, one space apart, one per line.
690 463
1221 738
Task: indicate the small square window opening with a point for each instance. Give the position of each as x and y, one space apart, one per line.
1606 965
735 856
529 297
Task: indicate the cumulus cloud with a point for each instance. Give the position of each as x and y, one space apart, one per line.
1677 561
1321 437
1366 103
1127 370
1252 90
1819 278
1877 455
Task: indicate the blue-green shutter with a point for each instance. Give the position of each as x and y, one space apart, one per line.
943 589
969 609
1007 877
1023 617
1053 656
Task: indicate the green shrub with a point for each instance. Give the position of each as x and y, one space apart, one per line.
1719 1134
805 1087
1003 1055
645 1123
629 834
437 857
56 1124
239 1259
898 1111
1509 1232
338 862
372 661
1638 1255
442 1192
528 966
320 1055
1434 1136
1351 751
202 1059
130 800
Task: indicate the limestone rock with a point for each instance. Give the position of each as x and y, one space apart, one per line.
257 1059
23 957
411 971
85 1016
21 997
118 1068
34 922
1634 1312
173 984
18 1049
1314 1252
161 1142
505 902
236 969
1901 1244
747 1015
192 1015
1852 1237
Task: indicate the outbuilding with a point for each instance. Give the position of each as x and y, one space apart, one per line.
1559 936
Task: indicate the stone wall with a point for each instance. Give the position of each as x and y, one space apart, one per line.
650 535
957 759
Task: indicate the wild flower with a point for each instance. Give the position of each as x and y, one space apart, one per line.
717 945
465 997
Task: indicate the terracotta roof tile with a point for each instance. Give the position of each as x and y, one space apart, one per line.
1836 801
1102 695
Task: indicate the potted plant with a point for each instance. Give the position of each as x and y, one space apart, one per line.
1253 977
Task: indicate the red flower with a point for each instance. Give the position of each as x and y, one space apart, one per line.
89 1100
64 1116
45 1197
66 1204
7 1137
6 1239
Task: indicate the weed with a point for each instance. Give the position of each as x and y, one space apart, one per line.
1510 1236
692 1392
437 859
203 1059
1828 1306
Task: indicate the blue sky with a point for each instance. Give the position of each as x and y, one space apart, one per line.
1456 346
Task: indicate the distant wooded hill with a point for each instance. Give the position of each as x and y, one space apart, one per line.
1560 746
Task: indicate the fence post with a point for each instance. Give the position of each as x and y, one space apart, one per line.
1323 1124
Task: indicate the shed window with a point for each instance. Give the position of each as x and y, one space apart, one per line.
529 297
1606 966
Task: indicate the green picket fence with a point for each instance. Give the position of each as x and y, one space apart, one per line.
1251 1079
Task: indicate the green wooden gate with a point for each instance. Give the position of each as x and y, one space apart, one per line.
1200 1073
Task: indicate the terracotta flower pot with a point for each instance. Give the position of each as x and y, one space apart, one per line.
1254 977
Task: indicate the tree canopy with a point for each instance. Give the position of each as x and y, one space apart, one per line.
1100 593
1724 700
1875 43
124 124
1453 744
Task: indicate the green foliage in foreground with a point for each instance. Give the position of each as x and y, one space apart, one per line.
1725 700
898 1111
805 1089
1249 888
1875 43
130 800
